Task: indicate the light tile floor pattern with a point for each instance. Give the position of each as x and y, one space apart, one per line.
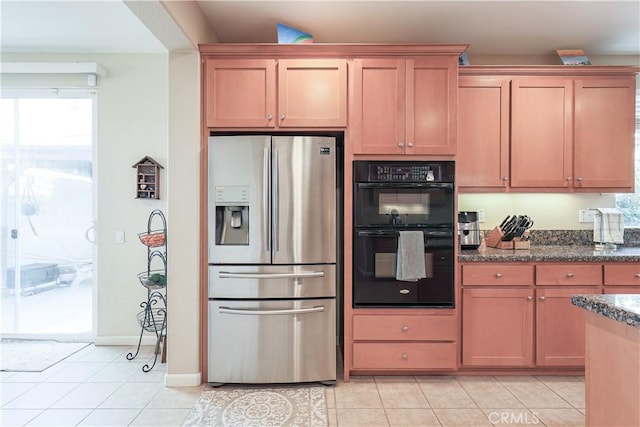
99 387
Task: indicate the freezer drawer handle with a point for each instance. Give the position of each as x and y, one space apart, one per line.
226 275
315 309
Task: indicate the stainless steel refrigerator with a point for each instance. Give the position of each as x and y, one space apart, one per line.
272 259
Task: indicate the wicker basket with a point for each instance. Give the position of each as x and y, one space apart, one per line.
152 239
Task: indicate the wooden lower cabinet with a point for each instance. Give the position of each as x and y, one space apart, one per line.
404 355
560 327
622 289
622 274
400 342
497 327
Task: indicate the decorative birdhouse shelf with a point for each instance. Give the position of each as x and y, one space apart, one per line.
147 178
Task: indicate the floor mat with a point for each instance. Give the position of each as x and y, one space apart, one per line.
35 355
260 406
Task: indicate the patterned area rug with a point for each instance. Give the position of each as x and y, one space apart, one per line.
253 406
35 355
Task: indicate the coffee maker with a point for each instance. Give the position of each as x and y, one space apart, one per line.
468 230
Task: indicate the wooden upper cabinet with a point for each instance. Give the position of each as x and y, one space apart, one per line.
312 93
240 92
245 93
404 106
569 129
431 105
483 132
377 119
604 133
541 132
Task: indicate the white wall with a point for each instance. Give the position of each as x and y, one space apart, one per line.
550 211
184 209
132 103
551 59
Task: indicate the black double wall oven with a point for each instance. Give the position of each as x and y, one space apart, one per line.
389 197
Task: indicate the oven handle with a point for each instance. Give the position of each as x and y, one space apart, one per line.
394 233
305 310
448 185
227 275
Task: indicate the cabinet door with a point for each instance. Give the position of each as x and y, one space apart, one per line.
378 106
240 93
312 93
541 133
431 105
560 327
497 327
604 134
483 132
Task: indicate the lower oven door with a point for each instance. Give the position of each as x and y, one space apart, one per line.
272 341
374 268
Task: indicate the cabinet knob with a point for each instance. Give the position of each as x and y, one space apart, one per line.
409 144
569 178
542 298
405 356
281 116
529 298
638 275
505 178
400 144
269 117
569 275
579 179
499 275
405 328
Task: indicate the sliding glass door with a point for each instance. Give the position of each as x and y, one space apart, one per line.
47 213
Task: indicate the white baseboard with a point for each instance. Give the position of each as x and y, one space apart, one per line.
183 380
124 340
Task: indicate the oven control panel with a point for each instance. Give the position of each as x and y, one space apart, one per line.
404 173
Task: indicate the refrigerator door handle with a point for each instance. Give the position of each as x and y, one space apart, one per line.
276 195
228 275
266 238
304 310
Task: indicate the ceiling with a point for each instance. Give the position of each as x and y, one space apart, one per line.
490 27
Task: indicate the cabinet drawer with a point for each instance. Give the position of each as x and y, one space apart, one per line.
497 275
626 289
404 355
569 274
405 328
622 274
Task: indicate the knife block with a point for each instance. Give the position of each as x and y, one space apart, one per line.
495 241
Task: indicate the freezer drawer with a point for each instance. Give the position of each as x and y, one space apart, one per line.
257 282
274 341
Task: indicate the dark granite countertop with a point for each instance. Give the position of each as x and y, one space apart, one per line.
551 254
623 308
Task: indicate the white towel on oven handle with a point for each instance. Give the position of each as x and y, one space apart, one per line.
410 264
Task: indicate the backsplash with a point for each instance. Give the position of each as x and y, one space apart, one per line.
575 237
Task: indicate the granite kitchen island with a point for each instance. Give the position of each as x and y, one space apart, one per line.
612 365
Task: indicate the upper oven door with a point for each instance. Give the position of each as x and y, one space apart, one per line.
403 204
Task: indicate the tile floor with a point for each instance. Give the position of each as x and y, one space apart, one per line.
99 387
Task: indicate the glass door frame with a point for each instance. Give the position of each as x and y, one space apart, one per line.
62 93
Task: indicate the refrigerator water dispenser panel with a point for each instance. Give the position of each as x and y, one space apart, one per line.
232 215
